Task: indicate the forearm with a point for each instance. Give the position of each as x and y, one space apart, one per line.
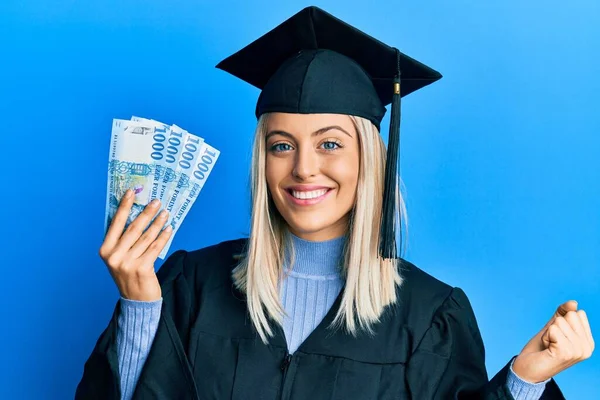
137 325
523 390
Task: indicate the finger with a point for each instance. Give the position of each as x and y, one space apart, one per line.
137 227
554 339
586 327
573 347
118 222
157 246
150 235
574 321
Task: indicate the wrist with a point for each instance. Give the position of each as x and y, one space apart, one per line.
523 370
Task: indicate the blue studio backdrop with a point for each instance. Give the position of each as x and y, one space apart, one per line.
500 158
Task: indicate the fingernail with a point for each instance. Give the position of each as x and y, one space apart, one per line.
154 203
163 213
128 193
169 228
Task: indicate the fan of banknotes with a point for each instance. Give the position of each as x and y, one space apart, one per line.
156 161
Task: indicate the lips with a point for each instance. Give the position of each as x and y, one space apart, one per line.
304 188
307 195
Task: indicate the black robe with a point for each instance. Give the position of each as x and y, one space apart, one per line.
427 346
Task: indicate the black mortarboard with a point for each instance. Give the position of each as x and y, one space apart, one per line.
316 63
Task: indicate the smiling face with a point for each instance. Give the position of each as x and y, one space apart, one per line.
312 166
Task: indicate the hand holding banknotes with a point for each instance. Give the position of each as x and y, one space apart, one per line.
152 166
157 162
130 255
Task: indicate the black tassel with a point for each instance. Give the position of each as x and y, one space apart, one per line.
390 217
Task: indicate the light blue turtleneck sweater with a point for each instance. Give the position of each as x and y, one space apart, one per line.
307 293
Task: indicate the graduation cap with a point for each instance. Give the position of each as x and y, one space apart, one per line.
316 63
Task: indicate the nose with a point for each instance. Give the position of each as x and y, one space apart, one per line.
306 163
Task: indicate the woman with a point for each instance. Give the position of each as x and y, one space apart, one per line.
314 304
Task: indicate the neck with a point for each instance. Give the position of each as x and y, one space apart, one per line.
316 257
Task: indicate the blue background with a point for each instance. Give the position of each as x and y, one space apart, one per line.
500 158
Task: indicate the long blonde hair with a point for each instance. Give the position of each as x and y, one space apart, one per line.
370 281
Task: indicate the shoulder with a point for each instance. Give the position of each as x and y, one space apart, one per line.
221 253
209 266
418 284
424 296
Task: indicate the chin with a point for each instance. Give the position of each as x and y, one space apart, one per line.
316 227
307 227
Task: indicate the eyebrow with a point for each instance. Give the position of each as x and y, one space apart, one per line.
315 133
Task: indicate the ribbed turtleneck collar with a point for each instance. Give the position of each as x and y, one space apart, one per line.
317 258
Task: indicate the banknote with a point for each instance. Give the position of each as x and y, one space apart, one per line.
175 144
188 157
131 165
200 173
161 148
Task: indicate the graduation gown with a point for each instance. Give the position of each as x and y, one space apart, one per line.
427 346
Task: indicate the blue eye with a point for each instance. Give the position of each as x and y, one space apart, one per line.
329 146
279 147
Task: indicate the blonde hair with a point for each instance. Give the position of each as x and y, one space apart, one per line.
370 281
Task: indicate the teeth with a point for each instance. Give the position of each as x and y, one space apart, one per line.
309 195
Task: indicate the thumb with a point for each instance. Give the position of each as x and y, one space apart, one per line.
561 311
564 308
